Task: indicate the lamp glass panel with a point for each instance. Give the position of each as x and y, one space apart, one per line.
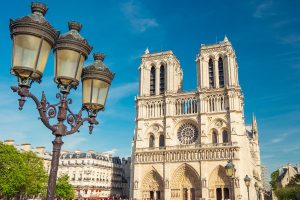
26 48
100 90
81 61
229 171
43 57
86 91
66 65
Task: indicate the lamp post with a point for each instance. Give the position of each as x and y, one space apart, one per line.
33 37
230 172
256 186
247 180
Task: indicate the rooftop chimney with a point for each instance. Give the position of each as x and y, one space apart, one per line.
26 147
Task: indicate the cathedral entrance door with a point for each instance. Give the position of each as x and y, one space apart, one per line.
158 195
151 195
193 194
226 193
219 193
185 194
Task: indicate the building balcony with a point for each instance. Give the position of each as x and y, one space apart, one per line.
222 151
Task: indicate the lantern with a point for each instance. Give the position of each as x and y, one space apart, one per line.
247 180
229 169
33 38
96 80
70 51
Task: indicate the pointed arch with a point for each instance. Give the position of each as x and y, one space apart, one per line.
211 73
221 72
225 136
152 81
151 141
214 137
162 79
161 140
185 175
218 182
185 179
152 185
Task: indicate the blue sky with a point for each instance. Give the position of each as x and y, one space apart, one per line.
265 35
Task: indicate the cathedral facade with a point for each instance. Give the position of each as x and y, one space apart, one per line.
183 140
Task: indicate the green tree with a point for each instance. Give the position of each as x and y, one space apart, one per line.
295 181
12 171
274 177
21 173
36 176
63 188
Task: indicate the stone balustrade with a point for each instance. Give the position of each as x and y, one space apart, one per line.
184 153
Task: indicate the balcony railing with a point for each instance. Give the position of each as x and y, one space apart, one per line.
224 151
193 146
182 104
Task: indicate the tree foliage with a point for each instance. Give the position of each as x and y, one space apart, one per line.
21 173
290 192
274 177
63 188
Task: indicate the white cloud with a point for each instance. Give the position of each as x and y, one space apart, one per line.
290 39
264 9
122 91
138 22
291 148
73 142
113 151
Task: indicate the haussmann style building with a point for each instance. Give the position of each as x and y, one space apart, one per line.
93 175
183 140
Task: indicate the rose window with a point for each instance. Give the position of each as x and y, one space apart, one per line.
187 133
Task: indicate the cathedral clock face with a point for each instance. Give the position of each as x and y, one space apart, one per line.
187 133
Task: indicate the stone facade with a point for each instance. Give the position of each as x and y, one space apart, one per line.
286 173
93 175
183 140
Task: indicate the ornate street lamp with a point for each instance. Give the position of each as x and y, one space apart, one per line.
33 37
247 180
230 172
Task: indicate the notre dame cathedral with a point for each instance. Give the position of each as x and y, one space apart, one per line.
184 140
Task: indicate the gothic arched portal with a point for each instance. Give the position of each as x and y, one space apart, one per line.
185 184
152 186
219 184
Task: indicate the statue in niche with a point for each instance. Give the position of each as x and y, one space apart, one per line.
136 184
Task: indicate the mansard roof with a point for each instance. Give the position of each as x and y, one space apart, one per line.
92 155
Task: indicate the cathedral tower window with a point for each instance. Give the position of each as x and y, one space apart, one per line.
221 72
214 137
211 73
225 137
152 81
151 141
161 140
162 79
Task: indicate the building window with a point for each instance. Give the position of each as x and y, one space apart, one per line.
225 137
221 72
162 79
151 141
161 141
211 73
214 138
152 81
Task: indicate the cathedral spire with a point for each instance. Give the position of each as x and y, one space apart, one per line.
147 51
226 39
254 124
